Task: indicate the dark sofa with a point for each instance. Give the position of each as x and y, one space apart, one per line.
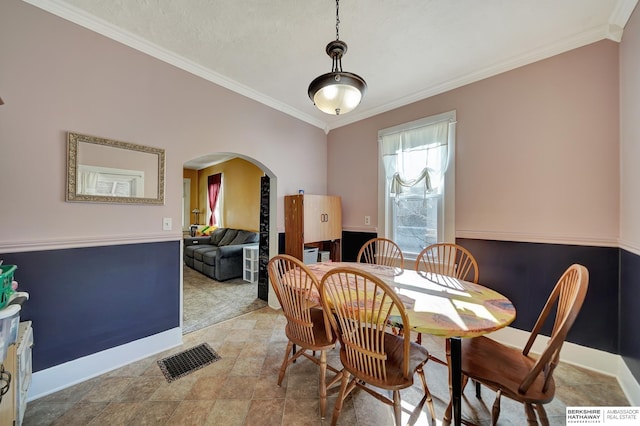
219 255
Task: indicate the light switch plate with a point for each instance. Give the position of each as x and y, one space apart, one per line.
166 224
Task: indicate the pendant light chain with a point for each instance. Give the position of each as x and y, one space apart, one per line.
337 59
337 92
337 19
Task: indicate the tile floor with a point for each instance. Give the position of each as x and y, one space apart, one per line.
241 389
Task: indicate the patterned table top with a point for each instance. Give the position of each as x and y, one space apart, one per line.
437 304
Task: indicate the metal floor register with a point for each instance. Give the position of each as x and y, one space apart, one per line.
188 361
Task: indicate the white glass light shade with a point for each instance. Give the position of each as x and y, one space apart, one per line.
337 92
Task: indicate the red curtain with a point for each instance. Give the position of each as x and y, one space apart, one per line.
213 183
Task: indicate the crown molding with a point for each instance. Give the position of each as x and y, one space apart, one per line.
579 40
612 31
77 16
622 12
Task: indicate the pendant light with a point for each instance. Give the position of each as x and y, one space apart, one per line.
337 92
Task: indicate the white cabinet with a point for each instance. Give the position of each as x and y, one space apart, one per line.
23 354
250 264
313 221
18 364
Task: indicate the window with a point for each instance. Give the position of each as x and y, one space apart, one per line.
417 173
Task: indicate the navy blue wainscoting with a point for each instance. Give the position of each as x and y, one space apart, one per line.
281 240
86 300
352 242
630 311
527 272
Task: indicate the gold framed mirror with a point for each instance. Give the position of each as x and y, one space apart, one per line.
103 170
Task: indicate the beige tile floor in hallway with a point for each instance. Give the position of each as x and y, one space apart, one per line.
241 389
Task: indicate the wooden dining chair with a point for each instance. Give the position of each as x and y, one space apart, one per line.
448 259
381 251
363 305
516 374
451 260
307 325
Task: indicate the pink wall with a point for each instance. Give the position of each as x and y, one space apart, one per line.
56 77
537 147
536 158
630 135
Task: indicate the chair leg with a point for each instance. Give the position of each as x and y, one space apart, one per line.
542 414
427 394
463 385
495 411
448 412
341 395
532 420
438 360
323 383
397 408
446 417
419 339
283 368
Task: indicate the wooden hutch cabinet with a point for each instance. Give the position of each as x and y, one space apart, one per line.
313 221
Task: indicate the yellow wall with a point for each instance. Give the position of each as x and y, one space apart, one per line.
240 191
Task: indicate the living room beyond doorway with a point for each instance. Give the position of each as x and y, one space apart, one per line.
207 302
245 202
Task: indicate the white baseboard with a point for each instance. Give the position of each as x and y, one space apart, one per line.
629 385
62 376
591 359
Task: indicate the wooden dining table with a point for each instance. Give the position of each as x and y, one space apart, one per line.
441 306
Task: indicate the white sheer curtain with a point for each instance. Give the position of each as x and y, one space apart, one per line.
414 156
87 183
418 182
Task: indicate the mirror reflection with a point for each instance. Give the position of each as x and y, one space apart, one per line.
105 170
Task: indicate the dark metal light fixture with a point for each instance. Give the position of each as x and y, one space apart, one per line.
337 92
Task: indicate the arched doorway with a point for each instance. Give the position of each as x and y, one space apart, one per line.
265 216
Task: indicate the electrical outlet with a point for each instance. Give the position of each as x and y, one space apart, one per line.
166 224
367 220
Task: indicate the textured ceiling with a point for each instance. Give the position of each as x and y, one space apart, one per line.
406 50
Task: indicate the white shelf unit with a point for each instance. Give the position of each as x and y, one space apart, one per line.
250 264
